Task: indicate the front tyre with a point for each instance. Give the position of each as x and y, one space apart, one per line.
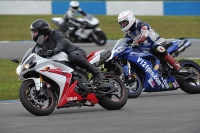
134 88
32 102
117 99
192 84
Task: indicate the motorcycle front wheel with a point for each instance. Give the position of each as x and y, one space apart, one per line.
33 102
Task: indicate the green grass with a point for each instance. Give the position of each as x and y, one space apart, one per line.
10 83
16 27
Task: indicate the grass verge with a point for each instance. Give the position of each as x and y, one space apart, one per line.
16 27
10 84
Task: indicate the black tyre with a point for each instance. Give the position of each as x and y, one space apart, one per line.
117 99
38 106
100 38
191 85
134 89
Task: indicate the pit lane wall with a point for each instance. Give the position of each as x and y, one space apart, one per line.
154 8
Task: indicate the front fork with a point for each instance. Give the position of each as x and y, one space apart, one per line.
129 75
43 87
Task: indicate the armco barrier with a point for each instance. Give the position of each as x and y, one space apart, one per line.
156 8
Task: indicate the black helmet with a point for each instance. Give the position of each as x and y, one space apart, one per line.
41 27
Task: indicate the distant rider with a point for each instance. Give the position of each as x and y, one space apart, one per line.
56 42
141 32
70 16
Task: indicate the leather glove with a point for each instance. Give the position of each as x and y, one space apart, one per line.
40 53
141 40
51 53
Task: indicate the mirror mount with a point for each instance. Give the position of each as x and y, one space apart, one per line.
40 39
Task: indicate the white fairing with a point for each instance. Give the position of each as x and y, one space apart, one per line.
42 63
59 79
83 33
58 20
91 20
60 57
96 57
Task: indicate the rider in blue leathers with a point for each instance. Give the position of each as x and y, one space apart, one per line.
141 32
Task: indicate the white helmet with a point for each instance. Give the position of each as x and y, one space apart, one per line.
74 4
126 19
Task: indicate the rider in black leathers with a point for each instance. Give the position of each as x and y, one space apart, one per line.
56 42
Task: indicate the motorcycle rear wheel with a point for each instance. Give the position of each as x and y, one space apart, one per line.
101 38
117 99
191 85
29 98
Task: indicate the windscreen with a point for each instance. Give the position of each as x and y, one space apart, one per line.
27 54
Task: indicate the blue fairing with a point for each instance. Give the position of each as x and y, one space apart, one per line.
172 48
140 57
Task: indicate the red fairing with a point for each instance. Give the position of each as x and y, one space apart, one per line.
90 56
69 95
67 75
92 98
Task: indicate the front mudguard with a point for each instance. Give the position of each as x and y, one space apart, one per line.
36 81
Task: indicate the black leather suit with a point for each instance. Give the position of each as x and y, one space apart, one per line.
76 55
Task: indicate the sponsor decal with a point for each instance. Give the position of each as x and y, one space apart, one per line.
71 98
151 82
156 67
161 49
136 53
165 83
148 69
170 85
175 84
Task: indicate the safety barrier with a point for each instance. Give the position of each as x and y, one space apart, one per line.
155 8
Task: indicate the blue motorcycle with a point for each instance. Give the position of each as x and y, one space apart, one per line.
141 71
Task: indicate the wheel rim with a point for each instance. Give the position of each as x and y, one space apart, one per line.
195 80
118 94
41 103
133 87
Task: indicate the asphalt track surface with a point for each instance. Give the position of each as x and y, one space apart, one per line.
161 112
10 50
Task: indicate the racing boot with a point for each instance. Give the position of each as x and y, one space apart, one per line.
82 62
97 75
169 59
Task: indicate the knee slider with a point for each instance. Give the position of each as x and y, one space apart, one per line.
160 49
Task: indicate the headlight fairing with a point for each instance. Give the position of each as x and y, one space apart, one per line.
29 63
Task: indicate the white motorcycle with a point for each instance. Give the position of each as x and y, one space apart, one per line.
88 32
54 82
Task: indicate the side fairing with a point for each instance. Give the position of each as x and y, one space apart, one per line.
152 80
62 78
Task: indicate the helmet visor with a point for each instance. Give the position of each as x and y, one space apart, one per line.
34 33
76 7
123 23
